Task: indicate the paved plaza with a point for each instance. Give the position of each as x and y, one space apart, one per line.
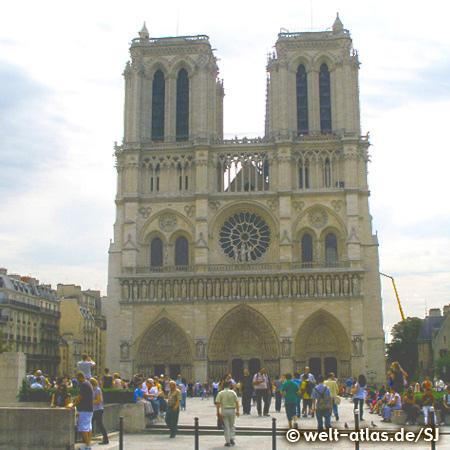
205 411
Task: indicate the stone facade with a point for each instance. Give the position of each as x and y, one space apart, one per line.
83 327
232 254
29 320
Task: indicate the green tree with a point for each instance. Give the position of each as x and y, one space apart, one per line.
403 346
443 366
4 346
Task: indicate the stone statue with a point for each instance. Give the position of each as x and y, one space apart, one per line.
209 293
200 349
311 286
176 290
200 288
125 351
151 290
268 287
357 345
251 288
302 286
285 287
355 284
192 289
319 286
276 287
217 289
234 288
226 288
328 285
286 347
337 286
159 289
345 286
183 289
294 287
259 288
167 290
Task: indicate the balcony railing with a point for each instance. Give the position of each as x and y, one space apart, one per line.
239 268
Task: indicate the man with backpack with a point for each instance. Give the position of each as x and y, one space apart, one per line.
306 391
322 403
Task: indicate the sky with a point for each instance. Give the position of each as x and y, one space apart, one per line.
61 106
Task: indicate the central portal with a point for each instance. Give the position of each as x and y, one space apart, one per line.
242 339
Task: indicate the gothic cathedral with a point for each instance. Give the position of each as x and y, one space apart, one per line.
243 253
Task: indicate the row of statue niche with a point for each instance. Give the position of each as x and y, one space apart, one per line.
243 287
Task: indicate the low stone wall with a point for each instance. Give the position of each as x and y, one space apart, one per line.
37 429
31 427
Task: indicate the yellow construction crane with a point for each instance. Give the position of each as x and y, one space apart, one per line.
396 294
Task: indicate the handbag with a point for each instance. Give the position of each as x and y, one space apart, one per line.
219 421
337 401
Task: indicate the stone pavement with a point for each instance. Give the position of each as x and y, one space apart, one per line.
205 411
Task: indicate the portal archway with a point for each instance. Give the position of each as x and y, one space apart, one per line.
322 342
164 346
243 333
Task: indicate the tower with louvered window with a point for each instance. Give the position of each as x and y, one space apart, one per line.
245 253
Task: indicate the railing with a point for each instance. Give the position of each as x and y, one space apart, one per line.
9 301
148 41
239 268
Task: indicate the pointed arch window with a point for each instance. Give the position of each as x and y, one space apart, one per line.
302 100
303 174
156 253
181 251
182 118
331 247
307 249
327 173
158 99
325 99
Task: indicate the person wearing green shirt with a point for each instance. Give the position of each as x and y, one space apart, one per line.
289 391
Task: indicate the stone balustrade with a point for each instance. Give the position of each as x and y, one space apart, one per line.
198 287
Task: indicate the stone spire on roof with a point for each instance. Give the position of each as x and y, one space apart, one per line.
143 34
338 27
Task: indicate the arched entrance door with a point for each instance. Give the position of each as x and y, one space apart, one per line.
323 344
237 369
164 349
243 334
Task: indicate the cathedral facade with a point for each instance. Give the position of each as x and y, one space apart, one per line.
243 253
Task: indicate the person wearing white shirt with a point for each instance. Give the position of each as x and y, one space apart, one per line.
152 395
439 385
395 402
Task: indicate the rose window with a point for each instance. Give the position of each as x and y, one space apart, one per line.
244 237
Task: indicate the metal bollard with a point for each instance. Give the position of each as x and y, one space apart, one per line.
433 425
274 434
196 434
356 413
121 433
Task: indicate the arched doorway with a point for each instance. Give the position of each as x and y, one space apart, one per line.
243 334
164 349
322 343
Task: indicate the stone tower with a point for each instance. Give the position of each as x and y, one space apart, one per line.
234 254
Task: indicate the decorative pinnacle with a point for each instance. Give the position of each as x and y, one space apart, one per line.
143 34
338 27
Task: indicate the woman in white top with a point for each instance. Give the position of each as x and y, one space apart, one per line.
395 402
359 394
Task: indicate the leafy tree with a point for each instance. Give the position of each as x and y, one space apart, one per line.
403 347
4 346
443 366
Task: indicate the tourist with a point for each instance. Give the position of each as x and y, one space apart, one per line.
30 378
190 389
117 382
395 402
178 380
227 403
410 407
426 384
261 384
215 388
139 398
151 393
277 388
305 392
246 392
173 408
85 365
107 380
36 385
322 403
166 384
68 382
183 390
298 379
40 379
359 394
397 377
439 385
334 392
445 405
427 404
197 388
382 398
204 390
61 398
309 375
290 390
85 407
348 387
97 417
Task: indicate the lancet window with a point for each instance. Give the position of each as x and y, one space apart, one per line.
158 99
325 99
307 248
156 252
243 172
181 251
331 247
302 100
182 117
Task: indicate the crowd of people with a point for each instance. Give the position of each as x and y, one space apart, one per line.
302 396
